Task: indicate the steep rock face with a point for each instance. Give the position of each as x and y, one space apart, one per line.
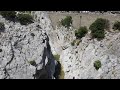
60 39
25 50
78 61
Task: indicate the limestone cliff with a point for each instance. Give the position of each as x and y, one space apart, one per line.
78 60
25 50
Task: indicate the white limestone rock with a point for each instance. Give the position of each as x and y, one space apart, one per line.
19 48
80 65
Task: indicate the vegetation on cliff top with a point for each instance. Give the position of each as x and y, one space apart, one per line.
24 18
67 21
116 25
81 32
9 15
98 28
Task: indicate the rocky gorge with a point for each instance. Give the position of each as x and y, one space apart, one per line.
27 51
78 60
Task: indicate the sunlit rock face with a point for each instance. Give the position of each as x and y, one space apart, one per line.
78 60
25 50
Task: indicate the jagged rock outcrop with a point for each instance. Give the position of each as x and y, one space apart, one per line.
25 52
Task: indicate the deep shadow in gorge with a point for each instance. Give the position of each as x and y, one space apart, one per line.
57 70
46 72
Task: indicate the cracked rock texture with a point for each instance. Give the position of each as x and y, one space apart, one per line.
20 45
78 61
26 51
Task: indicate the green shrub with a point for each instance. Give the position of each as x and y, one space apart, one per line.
73 42
116 25
25 19
57 57
33 63
97 64
98 28
98 34
81 32
9 15
66 22
99 24
2 27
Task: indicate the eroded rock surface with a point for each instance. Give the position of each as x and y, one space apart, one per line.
26 51
21 46
78 60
